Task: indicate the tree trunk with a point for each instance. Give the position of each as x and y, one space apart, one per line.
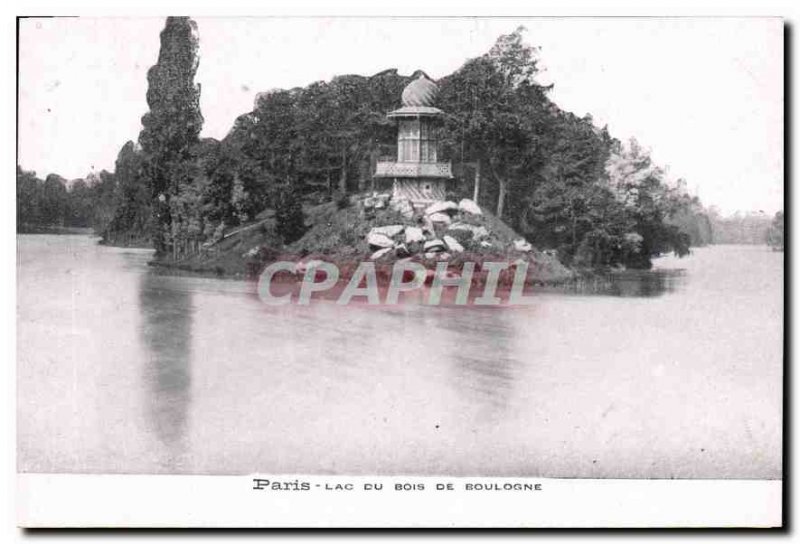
501 199
330 184
476 193
343 174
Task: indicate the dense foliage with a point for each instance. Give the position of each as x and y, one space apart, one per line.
740 228
775 233
556 178
170 134
54 202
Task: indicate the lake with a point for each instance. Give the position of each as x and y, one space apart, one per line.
673 373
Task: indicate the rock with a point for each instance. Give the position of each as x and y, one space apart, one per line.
434 245
252 253
302 267
388 230
404 207
414 234
381 200
477 232
485 243
480 232
437 255
452 244
460 226
447 206
469 206
380 253
522 245
427 226
441 218
379 240
452 275
401 250
414 247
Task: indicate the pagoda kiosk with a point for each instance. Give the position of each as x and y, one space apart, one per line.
417 175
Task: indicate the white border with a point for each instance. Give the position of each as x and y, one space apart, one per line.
93 495
62 500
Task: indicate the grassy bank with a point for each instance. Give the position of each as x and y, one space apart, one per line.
337 233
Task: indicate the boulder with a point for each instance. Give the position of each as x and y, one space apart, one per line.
381 201
446 206
380 253
480 232
388 230
427 226
414 247
303 266
403 207
460 226
434 245
379 241
522 245
441 218
252 253
469 206
401 250
451 274
477 232
414 234
452 244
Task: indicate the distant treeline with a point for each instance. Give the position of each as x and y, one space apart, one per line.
93 202
556 178
775 235
53 202
743 228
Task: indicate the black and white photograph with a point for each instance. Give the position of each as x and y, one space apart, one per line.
316 255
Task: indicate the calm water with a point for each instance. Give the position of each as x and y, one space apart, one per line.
676 373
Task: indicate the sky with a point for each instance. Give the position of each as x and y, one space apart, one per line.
704 95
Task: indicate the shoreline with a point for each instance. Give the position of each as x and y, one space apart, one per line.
55 230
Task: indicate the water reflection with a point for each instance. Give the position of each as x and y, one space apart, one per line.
167 333
123 370
480 352
628 283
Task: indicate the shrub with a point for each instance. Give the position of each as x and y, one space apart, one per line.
342 200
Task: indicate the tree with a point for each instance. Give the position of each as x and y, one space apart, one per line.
497 114
53 207
289 222
28 198
81 199
131 197
172 126
650 203
775 234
